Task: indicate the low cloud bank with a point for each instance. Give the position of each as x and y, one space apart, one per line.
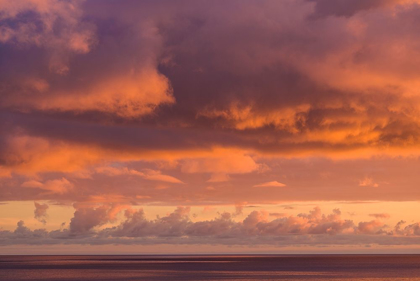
313 228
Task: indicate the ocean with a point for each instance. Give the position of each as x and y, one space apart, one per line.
290 267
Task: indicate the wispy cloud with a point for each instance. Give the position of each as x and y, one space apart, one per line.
270 184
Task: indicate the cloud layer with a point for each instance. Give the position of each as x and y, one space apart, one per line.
313 228
196 76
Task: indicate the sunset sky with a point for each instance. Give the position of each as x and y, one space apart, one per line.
209 126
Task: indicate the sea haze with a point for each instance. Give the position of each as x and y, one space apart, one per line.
309 267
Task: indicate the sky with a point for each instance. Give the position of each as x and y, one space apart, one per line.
198 126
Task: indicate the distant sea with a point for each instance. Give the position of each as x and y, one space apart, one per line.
302 267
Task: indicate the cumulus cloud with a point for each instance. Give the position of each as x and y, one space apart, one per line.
313 228
409 230
137 225
86 218
257 223
371 227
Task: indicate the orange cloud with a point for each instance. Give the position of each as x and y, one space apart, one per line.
57 186
146 174
270 184
34 154
224 161
248 117
5 173
130 95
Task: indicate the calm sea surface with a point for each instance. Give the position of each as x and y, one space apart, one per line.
335 267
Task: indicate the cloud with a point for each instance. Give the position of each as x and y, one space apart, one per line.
270 184
86 218
301 173
409 230
221 177
347 8
62 34
367 181
32 184
157 176
40 212
177 224
238 100
313 228
107 103
116 86
146 174
30 155
221 90
229 162
277 215
130 96
56 26
380 216
5 173
371 227
137 225
57 186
